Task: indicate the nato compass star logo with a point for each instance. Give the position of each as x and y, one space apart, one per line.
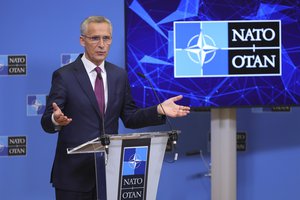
36 105
134 161
1 147
3 65
203 51
198 47
67 58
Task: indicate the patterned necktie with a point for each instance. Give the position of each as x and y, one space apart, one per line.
99 90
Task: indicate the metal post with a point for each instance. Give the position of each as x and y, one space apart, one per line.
223 154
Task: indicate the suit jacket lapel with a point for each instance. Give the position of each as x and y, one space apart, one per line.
110 87
85 83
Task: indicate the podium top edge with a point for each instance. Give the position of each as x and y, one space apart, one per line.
142 135
95 145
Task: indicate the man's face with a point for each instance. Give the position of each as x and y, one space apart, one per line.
97 41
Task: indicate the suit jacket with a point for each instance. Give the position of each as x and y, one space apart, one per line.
72 91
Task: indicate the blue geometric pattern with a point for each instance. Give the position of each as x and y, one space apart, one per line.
149 36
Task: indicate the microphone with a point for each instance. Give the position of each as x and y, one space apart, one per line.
173 135
104 138
105 141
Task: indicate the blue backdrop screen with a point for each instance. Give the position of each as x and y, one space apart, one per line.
215 53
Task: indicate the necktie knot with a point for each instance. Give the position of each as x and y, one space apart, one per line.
98 70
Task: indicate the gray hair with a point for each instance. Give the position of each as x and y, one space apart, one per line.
95 19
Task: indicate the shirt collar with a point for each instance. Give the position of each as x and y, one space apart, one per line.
89 66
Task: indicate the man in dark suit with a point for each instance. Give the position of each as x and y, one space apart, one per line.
73 110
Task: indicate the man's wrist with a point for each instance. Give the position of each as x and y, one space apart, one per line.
53 120
57 127
159 110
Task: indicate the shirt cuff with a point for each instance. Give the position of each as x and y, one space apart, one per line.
57 127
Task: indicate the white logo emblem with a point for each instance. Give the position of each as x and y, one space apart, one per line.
201 49
134 161
36 104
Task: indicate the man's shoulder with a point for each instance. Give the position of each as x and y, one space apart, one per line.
109 64
112 67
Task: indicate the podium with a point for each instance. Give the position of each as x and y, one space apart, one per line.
130 167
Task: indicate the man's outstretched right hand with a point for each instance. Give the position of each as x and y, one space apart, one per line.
59 116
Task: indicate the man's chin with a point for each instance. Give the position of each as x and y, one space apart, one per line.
99 59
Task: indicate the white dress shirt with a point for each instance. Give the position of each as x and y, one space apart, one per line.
90 69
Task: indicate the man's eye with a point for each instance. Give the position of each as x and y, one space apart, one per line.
95 38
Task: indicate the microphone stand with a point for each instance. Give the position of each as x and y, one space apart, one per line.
173 135
104 138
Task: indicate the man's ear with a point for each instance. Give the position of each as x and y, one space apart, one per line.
82 42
